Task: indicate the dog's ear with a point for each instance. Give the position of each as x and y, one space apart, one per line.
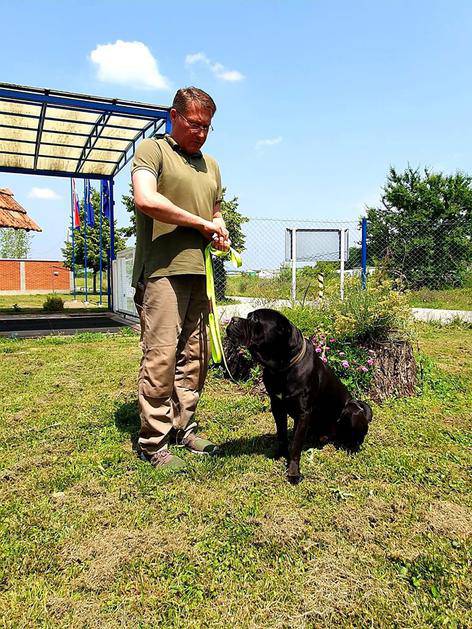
345 415
367 410
255 332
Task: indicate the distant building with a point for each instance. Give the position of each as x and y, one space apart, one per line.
27 276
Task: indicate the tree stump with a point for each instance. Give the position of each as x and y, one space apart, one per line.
239 361
395 369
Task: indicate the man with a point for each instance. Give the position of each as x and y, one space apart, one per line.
177 193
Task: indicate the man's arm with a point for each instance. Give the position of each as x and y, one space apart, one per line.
157 206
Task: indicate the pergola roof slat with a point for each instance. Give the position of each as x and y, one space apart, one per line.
70 134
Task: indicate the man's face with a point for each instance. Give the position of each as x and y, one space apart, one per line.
190 129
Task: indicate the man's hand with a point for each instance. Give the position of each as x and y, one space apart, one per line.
217 233
221 242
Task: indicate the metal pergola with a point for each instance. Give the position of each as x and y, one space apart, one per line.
62 134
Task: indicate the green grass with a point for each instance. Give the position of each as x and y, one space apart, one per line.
91 536
274 288
451 299
30 304
250 286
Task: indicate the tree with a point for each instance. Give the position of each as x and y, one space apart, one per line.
422 230
15 243
93 241
233 220
128 202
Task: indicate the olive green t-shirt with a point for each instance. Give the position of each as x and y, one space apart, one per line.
191 182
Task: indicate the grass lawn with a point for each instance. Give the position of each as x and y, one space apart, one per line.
267 288
34 303
91 536
452 298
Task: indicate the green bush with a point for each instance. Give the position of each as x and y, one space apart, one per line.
374 314
342 331
353 363
53 304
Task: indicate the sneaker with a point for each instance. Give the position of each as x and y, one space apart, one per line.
164 460
197 445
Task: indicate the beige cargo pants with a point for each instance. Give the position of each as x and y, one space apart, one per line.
174 315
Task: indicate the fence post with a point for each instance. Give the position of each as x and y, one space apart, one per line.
294 264
364 252
342 233
320 286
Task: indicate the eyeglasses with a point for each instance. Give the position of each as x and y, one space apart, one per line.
194 126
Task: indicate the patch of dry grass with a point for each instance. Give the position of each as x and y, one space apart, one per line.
93 537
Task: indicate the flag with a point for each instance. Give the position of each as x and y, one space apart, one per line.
75 208
88 207
105 197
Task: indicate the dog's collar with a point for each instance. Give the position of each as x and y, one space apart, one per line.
296 359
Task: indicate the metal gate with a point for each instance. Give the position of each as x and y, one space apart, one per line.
123 292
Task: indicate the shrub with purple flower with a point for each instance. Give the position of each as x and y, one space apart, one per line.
352 363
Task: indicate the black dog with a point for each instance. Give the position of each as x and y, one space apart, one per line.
300 385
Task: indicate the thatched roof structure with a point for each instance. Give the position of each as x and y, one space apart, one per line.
12 214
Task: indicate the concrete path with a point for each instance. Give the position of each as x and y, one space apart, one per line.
444 316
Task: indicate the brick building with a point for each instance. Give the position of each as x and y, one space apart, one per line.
34 276
27 276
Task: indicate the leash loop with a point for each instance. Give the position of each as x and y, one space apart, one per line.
216 343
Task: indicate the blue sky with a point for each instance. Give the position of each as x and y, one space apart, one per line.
315 99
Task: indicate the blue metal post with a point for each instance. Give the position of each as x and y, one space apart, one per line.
111 201
85 238
364 252
168 123
100 243
72 237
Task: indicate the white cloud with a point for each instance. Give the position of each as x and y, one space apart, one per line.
128 63
269 142
44 194
218 69
198 56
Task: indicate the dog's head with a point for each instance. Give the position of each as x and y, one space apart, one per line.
353 424
269 336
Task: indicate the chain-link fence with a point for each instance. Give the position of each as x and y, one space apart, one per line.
292 259
436 258
299 259
303 260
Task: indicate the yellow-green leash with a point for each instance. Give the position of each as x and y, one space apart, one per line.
216 343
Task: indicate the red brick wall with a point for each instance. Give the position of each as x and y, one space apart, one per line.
39 276
9 275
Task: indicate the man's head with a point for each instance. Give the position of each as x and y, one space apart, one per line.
191 114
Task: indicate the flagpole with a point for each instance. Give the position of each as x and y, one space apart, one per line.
85 238
72 236
100 240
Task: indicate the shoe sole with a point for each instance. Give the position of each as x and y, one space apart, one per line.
212 453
